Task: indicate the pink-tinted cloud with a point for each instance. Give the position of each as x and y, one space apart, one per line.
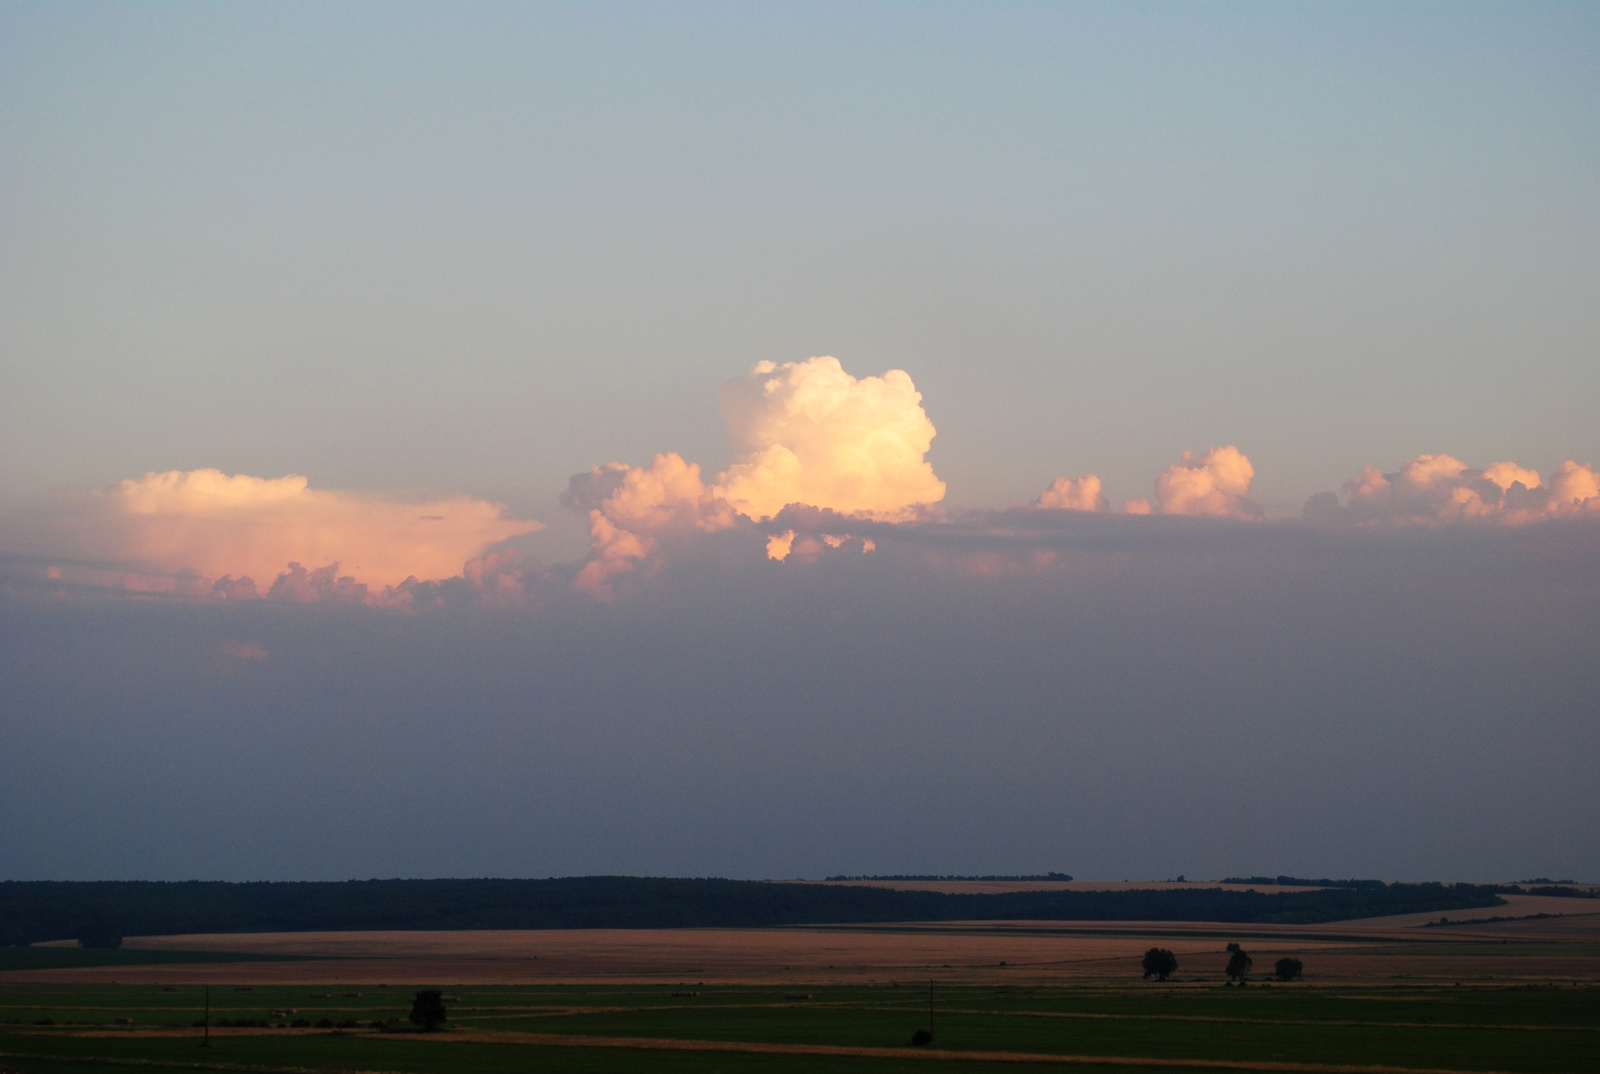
1073 494
632 508
809 547
1439 489
280 538
1216 484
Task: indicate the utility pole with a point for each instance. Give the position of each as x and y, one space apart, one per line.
205 1042
930 1006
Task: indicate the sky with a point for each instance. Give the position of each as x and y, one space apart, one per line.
786 440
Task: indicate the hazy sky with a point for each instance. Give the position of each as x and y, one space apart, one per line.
399 294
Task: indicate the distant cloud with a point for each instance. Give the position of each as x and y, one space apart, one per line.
278 537
631 508
808 547
808 432
1434 490
1073 494
826 467
805 433
1215 484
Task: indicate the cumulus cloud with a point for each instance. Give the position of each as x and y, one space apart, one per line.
808 432
803 433
632 508
1440 489
279 537
1215 484
1073 494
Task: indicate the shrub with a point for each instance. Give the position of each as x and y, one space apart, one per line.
1287 969
921 1037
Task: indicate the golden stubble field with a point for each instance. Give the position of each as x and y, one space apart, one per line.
1397 950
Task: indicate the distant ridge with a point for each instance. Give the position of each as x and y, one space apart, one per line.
104 911
956 876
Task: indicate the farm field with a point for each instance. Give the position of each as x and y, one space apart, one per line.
1519 995
62 1028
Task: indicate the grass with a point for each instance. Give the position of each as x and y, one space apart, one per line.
1545 1029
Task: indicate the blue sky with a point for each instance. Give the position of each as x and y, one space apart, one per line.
480 247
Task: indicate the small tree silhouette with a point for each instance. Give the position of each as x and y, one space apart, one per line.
1159 963
427 1009
1287 969
1239 964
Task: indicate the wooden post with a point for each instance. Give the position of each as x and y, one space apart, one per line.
205 1042
930 1006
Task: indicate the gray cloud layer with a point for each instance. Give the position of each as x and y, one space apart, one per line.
1108 695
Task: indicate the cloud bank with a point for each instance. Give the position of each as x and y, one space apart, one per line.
238 535
1414 656
1435 490
1003 692
824 463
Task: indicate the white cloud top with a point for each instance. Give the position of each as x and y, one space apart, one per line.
803 433
810 433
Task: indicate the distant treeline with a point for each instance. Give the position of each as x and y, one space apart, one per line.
31 911
953 876
1565 893
1520 888
1302 882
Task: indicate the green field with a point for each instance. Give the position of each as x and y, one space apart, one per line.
56 1029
